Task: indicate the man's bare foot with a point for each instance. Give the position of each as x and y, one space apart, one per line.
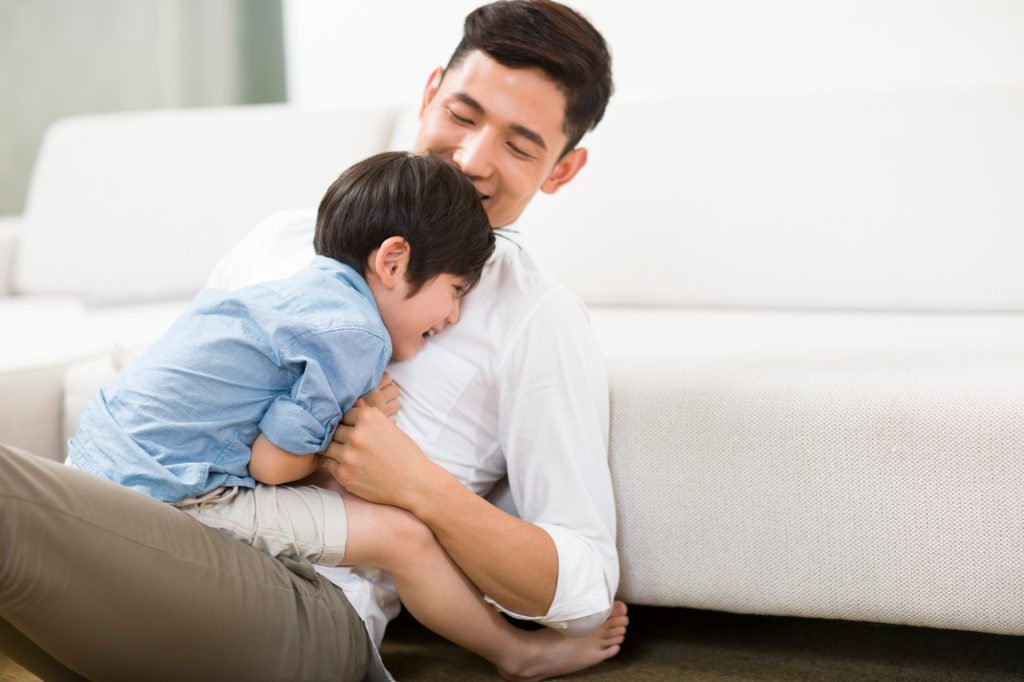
547 653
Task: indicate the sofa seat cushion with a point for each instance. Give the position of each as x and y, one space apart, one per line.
44 336
854 466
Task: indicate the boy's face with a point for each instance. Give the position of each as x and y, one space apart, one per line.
410 321
503 128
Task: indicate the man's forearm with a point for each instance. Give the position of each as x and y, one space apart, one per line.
512 561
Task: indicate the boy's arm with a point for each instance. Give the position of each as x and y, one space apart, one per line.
271 465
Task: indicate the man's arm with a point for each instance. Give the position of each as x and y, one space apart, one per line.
272 465
559 560
511 560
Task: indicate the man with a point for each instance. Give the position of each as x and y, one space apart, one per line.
513 130
516 387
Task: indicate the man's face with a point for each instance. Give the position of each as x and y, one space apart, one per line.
503 128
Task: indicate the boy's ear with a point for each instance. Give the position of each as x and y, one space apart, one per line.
433 85
565 170
390 261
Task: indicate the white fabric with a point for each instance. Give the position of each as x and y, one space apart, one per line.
855 466
10 226
893 201
139 206
40 338
517 386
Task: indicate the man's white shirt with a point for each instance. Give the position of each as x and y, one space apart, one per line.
517 387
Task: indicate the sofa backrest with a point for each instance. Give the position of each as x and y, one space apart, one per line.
141 205
903 200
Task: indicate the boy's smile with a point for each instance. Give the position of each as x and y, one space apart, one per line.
410 321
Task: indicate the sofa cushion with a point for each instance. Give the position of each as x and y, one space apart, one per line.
43 338
40 340
141 205
860 466
896 200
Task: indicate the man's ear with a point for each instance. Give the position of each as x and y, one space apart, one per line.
433 85
390 261
565 170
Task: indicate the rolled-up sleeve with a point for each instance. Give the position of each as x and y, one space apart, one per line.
554 431
290 426
335 368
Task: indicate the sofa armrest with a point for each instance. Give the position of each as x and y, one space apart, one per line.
10 226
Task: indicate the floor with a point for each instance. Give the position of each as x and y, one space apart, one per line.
682 644
704 646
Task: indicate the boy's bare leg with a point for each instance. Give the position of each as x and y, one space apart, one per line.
440 597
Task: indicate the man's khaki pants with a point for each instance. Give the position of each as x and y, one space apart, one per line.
100 582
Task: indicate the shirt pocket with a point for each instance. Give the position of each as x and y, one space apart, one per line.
432 384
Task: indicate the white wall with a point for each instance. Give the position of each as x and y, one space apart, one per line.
60 59
347 52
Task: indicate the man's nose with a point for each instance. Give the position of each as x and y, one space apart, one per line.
473 155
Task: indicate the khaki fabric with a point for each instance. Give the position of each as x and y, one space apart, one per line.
113 585
299 522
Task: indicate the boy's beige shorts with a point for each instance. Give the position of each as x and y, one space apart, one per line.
297 522
300 522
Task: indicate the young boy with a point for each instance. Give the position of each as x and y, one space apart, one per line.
271 369
247 388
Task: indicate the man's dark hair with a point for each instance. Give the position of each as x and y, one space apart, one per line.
551 37
422 199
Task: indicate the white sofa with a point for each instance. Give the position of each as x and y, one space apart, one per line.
811 309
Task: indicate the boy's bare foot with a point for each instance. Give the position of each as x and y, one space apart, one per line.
547 653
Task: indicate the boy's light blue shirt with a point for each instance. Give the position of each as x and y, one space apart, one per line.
285 358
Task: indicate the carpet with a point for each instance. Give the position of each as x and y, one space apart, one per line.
705 646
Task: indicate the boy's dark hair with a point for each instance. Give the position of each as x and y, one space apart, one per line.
422 199
551 37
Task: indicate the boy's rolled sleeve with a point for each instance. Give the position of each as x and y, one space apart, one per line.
290 426
337 367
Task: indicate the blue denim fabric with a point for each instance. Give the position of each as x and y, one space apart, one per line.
284 358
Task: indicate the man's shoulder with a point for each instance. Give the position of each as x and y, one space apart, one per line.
521 286
277 247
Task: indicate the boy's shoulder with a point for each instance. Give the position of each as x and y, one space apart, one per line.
325 296
277 247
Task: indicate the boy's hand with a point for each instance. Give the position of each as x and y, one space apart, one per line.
385 397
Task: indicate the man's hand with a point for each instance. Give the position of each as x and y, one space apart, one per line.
375 460
385 397
372 458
